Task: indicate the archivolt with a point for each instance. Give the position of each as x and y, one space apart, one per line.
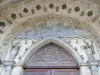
48 17
44 42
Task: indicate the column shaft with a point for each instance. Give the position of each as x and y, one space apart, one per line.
94 70
98 70
17 71
84 70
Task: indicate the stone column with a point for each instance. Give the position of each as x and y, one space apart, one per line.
94 70
94 66
17 71
85 70
98 70
6 70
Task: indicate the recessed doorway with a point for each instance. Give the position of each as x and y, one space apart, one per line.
51 72
51 59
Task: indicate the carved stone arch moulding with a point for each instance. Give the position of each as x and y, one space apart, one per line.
52 42
51 55
45 18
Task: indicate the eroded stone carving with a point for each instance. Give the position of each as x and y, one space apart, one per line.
14 52
50 17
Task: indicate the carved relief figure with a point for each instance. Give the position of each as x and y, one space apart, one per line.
14 52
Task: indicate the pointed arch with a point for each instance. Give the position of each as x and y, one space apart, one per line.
44 42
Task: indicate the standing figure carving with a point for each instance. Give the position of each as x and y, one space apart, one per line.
89 49
14 52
